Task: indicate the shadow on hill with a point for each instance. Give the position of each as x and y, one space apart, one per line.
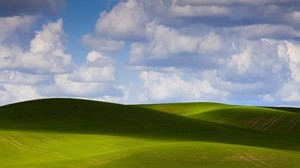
289 109
91 117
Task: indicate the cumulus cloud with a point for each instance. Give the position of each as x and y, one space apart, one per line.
10 93
197 11
267 31
294 17
158 86
222 13
98 68
18 77
293 50
267 70
258 61
187 50
101 43
230 2
64 86
243 49
168 44
94 79
46 53
14 25
289 92
125 21
46 70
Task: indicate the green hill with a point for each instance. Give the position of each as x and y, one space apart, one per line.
276 120
82 133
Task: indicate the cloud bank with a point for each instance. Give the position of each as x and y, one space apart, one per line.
232 51
242 51
46 70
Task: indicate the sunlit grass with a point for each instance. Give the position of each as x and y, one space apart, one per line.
80 133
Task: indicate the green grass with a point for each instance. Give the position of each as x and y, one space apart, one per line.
276 120
81 133
185 109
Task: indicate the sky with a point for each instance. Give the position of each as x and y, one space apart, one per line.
135 51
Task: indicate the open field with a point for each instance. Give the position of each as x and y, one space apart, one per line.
81 133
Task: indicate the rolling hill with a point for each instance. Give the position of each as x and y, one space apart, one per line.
82 133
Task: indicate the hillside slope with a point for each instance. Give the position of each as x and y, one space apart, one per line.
81 133
274 120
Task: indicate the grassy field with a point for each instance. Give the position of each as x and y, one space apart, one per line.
81 133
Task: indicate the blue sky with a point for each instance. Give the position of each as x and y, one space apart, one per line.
230 51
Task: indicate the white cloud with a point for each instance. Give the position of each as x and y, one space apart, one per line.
64 86
266 31
50 38
293 51
47 49
94 79
242 48
197 11
163 87
10 56
239 50
125 21
97 69
293 97
227 2
290 89
46 53
267 98
21 70
165 42
267 70
45 70
15 93
102 44
294 17
211 43
176 13
289 92
13 25
17 77
258 61
241 88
